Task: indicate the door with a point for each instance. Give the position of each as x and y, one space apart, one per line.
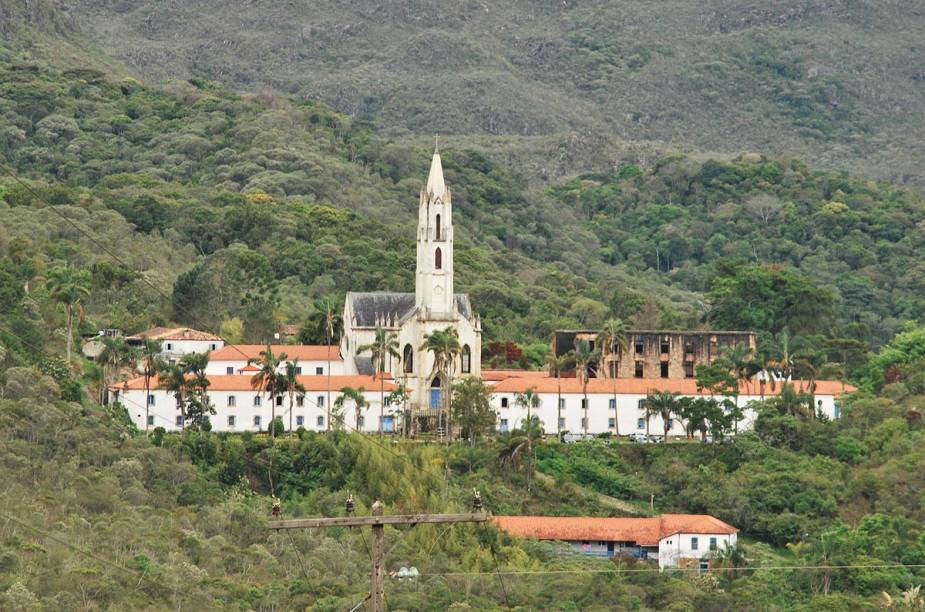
388 424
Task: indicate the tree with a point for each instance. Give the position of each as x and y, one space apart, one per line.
115 354
556 365
444 344
472 409
585 360
172 379
666 405
399 397
268 380
384 345
611 341
324 319
531 401
290 385
150 364
358 397
69 286
197 405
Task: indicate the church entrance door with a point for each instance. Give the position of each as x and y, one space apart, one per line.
435 396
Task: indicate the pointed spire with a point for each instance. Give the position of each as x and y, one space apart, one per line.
435 184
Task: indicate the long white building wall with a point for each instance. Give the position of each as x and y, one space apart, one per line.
679 546
309 368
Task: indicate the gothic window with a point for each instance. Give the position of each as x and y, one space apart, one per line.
438 228
466 359
408 359
438 259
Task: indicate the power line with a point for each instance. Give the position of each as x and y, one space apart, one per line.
635 570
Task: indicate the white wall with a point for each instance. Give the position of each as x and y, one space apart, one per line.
164 411
176 349
627 414
680 546
309 368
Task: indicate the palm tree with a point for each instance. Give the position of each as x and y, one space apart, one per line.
780 361
267 380
358 397
531 401
69 286
150 365
172 379
116 353
738 362
665 404
611 340
384 345
198 405
289 384
444 344
556 365
331 324
585 359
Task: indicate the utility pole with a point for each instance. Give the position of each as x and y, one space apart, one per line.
378 521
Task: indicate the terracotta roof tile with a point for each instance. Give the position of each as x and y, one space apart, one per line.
489 375
642 531
301 352
644 386
173 333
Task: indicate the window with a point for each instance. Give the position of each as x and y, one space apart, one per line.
584 423
639 348
694 543
638 372
837 411
407 358
257 420
438 228
612 423
713 544
665 347
232 401
670 424
466 359
584 403
319 371
150 399
257 400
229 370
231 420
361 420
503 425
614 368
213 346
179 420
641 424
689 369
562 423
664 369
641 404
504 402
320 421
169 346
298 370
387 401
300 420
300 401
438 259
319 401
279 400
150 419
612 404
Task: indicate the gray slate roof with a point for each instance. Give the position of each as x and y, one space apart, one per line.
367 307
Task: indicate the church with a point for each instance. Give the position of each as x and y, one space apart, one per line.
412 316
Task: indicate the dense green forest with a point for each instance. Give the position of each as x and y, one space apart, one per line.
124 204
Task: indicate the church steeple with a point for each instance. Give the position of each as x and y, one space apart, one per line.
434 278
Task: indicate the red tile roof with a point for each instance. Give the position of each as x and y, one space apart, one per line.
173 333
644 386
300 352
642 531
243 383
489 375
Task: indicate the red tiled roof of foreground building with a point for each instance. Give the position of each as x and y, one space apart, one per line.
243 383
642 531
300 352
644 386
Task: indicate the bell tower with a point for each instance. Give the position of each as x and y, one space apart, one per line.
434 278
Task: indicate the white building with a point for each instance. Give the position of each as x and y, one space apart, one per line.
178 341
239 407
675 540
411 316
617 406
311 360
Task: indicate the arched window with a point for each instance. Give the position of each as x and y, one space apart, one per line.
436 399
438 227
466 359
438 259
407 359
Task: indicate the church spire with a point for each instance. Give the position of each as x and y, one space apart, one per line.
435 184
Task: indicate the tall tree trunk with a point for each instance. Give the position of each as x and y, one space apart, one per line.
70 332
327 401
529 447
559 410
290 415
381 403
147 401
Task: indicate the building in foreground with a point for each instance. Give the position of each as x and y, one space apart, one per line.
675 540
178 341
310 359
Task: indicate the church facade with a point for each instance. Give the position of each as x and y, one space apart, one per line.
413 316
